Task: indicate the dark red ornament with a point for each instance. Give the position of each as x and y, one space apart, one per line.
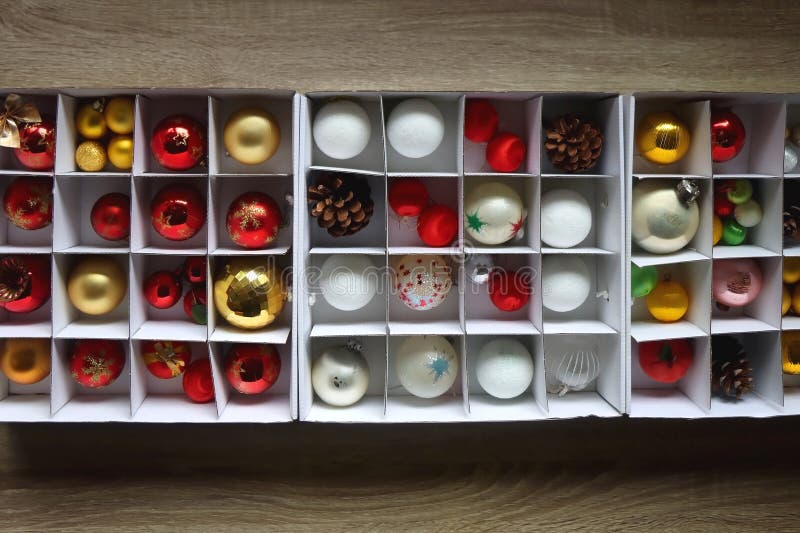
162 289
24 282
253 220
194 305
666 361
194 269
480 120
96 363
111 216
37 145
408 197
198 382
727 135
437 225
722 206
252 368
28 202
509 291
166 359
178 212
505 152
178 142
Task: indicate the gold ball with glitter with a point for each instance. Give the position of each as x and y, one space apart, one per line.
90 156
249 292
120 151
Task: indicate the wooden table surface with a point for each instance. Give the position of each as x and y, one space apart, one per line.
566 475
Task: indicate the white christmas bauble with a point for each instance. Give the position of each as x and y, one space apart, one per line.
341 129
748 214
340 376
565 282
504 368
426 365
493 213
422 282
790 157
566 218
348 282
415 128
660 222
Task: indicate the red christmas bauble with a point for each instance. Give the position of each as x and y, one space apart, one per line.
162 289
198 382
480 120
195 306
28 202
666 361
178 212
194 269
166 359
722 206
727 135
37 145
252 368
253 220
505 152
408 197
24 282
178 142
509 291
437 225
111 216
96 363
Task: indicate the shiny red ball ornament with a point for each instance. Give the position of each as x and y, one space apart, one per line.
666 361
252 368
480 120
178 142
408 197
727 135
162 289
253 220
505 152
195 306
166 359
198 382
437 225
96 363
24 282
37 145
722 206
28 202
178 212
509 291
111 216
194 269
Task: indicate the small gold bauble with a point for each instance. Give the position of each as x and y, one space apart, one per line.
251 136
249 293
25 361
662 138
790 352
97 285
90 156
119 115
786 300
791 270
90 122
120 151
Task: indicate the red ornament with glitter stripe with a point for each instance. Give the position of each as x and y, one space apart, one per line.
422 282
253 220
166 359
37 145
96 363
28 202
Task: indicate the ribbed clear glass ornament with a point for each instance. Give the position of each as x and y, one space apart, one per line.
571 371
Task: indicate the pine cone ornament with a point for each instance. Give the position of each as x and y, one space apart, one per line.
791 211
573 144
341 203
731 372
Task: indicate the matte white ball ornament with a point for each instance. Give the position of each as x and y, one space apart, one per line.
348 282
340 376
415 128
341 129
504 368
426 365
566 218
566 282
748 214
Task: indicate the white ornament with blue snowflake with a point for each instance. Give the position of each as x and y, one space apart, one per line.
426 365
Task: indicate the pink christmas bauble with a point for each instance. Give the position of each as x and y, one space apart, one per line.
736 282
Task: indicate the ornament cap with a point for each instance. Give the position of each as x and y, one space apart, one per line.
688 191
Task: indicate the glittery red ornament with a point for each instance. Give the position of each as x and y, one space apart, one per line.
178 212
408 197
480 120
96 363
509 291
194 305
727 135
505 152
37 145
198 382
194 269
252 368
437 225
253 220
178 142
24 282
162 289
28 202
166 359
111 216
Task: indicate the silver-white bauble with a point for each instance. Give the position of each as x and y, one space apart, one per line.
662 219
566 218
426 365
348 281
493 213
566 282
340 376
504 368
790 157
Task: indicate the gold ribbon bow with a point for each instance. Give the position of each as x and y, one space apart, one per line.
17 111
166 352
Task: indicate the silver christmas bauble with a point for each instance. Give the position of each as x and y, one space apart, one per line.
340 376
790 157
493 213
664 215
478 268
426 365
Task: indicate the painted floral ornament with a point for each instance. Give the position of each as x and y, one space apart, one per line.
426 365
422 282
493 213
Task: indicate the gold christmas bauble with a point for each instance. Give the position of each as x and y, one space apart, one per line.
796 299
790 352
90 122
25 361
791 270
717 229
668 301
90 156
249 293
251 136
120 151
786 300
662 138
97 285
119 115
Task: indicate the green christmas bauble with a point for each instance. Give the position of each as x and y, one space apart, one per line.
643 280
733 233
741 192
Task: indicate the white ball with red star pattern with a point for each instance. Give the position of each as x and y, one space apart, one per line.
493 213
566 218
426 365
422 282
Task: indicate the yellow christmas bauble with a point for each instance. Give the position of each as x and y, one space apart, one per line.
796 299
662 138
119 115
120 151
717 229
668 301
790 352
90 156
90 122
251 136
25 361
791 270
249 293
97 285
786 300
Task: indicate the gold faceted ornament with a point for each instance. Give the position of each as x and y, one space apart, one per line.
120 151
119 115
662 138
97 285
90 156
249 293
25 361
251 135
90 122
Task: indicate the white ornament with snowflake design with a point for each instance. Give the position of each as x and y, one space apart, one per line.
426 365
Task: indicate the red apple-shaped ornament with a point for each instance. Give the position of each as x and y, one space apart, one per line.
408 197
166 359
178 142
111 216
24 282
666 361
253 220
437 225
194 269
505 152
162 289
252 368
96 363
37 145
509 291
480 120
178 212
28 202
727 135
198 382
195 306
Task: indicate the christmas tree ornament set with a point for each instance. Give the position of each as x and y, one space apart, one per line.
104 130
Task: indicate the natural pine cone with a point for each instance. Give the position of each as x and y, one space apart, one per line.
341 203
573 144
731 372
